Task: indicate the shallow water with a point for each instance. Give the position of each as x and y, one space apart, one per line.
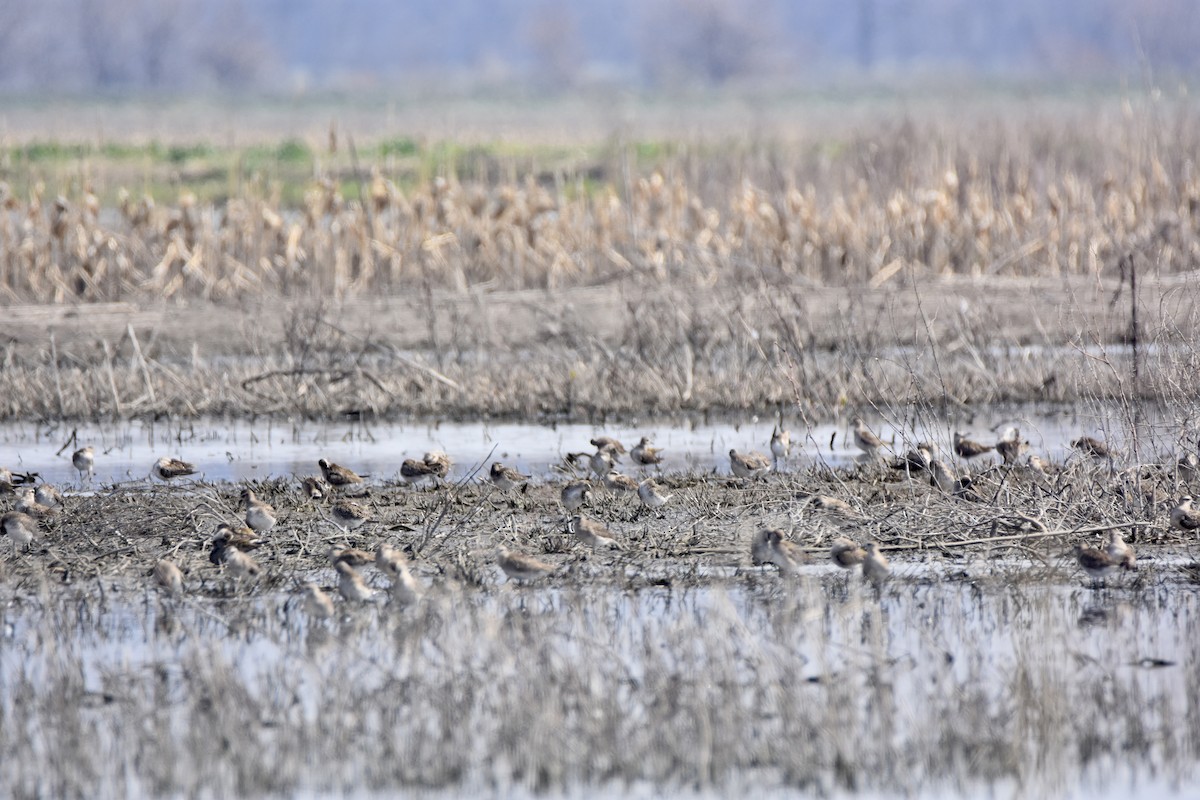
236 450
930 687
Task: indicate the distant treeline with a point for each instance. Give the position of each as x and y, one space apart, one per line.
272 44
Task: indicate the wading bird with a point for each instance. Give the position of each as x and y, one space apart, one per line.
166 469
340 478
168 576
749 465
645 455
506 478
592 534
875 565
845 553
969 448
260 516
650 496
575 494
520 567
84 460
781 444
867 441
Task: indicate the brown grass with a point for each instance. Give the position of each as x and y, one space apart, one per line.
908 261
1067 195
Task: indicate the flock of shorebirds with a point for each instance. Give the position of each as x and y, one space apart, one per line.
232 544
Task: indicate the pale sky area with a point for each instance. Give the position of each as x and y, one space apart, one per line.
290 45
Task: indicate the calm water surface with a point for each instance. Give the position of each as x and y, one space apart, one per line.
238 449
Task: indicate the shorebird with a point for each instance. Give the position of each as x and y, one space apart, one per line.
413 471
260 516
506 478
867 441
167 468
84 460
600 463
609 444
575 494
27 504
317 604
340 478
392 563
349 515
48 495
616 482
845 553
1096 563
388 559
1119 550
351 585
650 496
969 448
1184 517
1011 448
645 455
242 538
578 460
238 564
749 465
944 478
520 567
314 487
1187 467
875 565
917 459
351 555
781 444
1092 447
592 533
836 505
782 553
1035 464
438 462
941 476
168 576
760 548
20 527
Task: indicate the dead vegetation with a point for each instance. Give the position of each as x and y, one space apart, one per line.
950 264
793 274
1069 195
672 662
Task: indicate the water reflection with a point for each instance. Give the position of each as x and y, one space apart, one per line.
976 683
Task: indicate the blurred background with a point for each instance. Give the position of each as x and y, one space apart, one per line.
322 45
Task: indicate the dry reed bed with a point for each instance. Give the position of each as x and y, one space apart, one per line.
1020 197
604 353
674 665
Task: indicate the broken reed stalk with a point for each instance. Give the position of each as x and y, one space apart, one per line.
112 378
140 360
57 374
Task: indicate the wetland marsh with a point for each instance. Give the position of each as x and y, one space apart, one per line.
1029 276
